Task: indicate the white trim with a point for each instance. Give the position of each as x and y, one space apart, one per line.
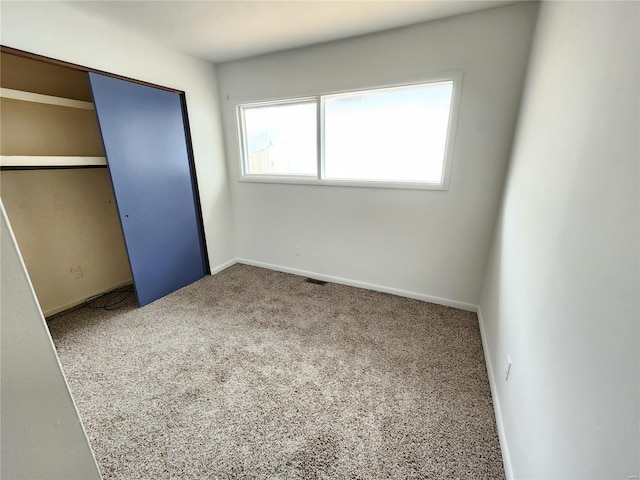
292 180
502 436
50 161
224 266
239 112
320 168
369 286
81 300
74 303
450 142
44 99
242 134
280 101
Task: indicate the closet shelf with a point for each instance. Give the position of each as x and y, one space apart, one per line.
46 99
50 161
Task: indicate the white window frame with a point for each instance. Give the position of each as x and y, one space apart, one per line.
245 176
244 156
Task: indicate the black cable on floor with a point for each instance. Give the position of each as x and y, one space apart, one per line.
116 298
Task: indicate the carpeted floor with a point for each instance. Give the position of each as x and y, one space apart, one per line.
256 374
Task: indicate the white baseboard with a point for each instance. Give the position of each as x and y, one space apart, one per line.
80 300
504 446
369 286
223 266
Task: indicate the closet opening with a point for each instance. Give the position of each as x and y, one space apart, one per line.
58 191
55 186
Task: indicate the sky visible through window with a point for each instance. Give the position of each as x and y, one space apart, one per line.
390 135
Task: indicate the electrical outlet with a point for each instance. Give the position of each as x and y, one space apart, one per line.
507 368
298 250
76 272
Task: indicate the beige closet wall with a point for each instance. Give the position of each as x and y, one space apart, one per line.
65 220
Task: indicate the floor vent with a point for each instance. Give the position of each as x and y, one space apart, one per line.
317 282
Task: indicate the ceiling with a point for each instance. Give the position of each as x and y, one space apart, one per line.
219 31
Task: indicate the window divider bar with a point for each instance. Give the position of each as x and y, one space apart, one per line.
320 127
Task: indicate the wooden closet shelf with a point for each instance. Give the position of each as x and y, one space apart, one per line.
50 161
45 99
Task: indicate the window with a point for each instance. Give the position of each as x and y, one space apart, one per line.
280 139
395 136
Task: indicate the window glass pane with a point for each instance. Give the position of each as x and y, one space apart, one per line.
394 134
281 139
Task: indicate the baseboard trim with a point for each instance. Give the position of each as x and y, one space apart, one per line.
369 286
79 301
224 266
504 445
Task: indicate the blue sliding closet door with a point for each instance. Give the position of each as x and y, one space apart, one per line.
144 135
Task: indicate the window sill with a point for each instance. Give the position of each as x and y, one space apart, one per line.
341 183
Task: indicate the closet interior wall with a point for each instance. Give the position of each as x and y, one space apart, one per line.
55 185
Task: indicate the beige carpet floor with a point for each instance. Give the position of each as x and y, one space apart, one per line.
255 374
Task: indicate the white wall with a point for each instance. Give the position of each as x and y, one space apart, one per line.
562 286
59 31
427 244
41 432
